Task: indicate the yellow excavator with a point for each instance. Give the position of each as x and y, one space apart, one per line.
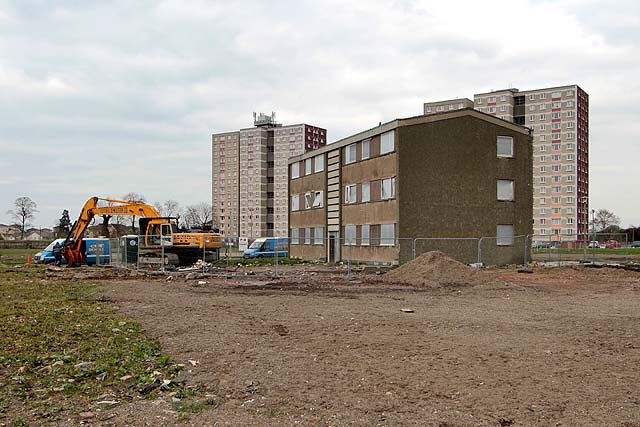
159 236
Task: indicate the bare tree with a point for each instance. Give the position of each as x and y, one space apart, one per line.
24 211
604 218
198 215
168 208
134 197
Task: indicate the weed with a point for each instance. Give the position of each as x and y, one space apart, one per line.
61 349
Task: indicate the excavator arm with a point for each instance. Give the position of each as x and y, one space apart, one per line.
72 245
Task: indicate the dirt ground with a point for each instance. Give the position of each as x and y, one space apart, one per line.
556 347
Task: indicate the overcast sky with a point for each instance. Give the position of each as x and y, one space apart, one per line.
108 97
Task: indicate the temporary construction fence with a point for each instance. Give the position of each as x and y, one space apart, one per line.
133 252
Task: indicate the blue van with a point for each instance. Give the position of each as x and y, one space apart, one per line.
267 247
96 250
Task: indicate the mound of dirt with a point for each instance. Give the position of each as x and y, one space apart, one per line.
435 269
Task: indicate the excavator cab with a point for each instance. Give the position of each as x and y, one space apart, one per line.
158 231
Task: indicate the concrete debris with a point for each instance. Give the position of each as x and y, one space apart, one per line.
83 366
194 362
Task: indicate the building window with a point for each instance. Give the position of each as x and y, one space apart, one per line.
350 193
366 191
532 108
505 189
295 170
295 233
387 142
295 202
491 99
364 235
543 96
428 109
532 97
503 108
365 149
350 154
307 236
307 201
387 234
319 163
543 117
349 235
388 188
318 199
307 167
318 235
504 234
503 98
505 146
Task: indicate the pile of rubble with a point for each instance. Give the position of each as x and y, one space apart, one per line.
435 269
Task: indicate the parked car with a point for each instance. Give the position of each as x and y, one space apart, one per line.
541 245
91 247
266 247
635 244
594 244
612 244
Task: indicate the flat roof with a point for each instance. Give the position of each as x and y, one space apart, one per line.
409 121
449 100
526 91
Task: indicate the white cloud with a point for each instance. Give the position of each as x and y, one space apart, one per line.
106 98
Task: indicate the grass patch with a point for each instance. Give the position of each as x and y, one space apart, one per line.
602 251
62 349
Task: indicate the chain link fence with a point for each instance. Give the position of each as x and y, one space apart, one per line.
275 254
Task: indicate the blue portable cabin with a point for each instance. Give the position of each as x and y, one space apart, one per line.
94 249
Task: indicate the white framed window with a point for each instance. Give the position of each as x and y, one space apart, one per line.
543 180
543 96
319 162
543 137
570 93
307 201
503 98
364 234
543 190
556 94
479 101
387 142
543 117
532 118
350 193
318 199
532 97
366 144
387 234
428 109
570 125
505 146
388 188
318 235
307 167
295 170
505 189
543 148
570 114
307 236
491 99
349 235
503 108
366 191
556 104
543 106
555 115
295 202
350 153
532 108
295 234
504 234
570 157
